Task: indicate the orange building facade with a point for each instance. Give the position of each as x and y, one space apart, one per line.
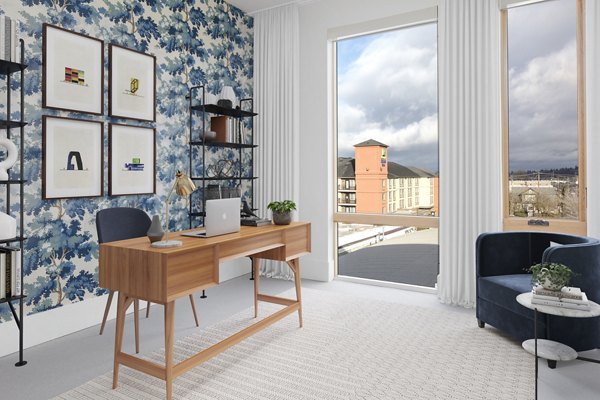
370 183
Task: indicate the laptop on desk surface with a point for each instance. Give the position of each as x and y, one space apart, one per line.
222 217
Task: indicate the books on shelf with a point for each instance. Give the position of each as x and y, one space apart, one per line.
226 129
8 39
10 271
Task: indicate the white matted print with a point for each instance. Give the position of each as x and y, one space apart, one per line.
73 72
131 158
72 158
132 87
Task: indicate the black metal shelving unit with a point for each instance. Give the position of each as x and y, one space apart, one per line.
199 108
7 69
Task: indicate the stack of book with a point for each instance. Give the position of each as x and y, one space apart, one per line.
254 221
568 297
8 39
10 271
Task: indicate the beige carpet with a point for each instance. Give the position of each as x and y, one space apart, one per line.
349 348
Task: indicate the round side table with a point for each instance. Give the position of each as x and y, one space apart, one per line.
550 349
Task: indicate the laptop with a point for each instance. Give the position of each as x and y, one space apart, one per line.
222 217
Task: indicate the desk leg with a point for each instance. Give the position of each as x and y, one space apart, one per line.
136 324
169 334
122 305
295 266
256 274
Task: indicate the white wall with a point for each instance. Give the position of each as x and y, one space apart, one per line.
316 142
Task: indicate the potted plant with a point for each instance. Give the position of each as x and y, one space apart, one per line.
552 276
282 211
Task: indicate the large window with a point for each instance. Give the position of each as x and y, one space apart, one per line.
387 140
543 116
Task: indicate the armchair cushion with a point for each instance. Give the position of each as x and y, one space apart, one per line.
503 290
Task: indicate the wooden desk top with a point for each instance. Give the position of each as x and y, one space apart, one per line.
160 275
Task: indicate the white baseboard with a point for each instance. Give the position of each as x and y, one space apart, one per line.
48 325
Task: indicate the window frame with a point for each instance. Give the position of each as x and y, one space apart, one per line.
578 226
406 20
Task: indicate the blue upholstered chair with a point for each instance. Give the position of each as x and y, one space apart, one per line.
122 223
501 262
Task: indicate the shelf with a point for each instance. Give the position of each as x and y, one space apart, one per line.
15 239
11 124
8 67
198 178
231 112
6 300
13 181
224 144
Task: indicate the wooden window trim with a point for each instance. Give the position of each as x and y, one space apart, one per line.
555 225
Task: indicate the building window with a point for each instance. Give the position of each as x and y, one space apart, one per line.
543 104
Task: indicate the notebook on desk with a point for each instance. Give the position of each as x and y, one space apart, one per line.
222 217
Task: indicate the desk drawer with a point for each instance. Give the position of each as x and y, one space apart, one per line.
248 245
191 271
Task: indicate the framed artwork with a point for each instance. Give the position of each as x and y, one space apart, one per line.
131 160
132 84
73 72
72 158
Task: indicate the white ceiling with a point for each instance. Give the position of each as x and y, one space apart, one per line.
250 6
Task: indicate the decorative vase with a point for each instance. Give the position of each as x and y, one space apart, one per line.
155 233
10 160
282 218
551 285
8 226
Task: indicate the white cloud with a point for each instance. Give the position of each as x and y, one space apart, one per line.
543 111
389 93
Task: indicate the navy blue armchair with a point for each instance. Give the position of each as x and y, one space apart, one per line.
502 260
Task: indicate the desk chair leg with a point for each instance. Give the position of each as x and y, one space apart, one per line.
256 275
295 266
169 335
147 309
136 323
106 310
123 304
194 310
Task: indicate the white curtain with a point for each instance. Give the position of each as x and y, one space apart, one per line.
469 140
592 77
276 83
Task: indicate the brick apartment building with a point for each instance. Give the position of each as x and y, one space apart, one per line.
369 183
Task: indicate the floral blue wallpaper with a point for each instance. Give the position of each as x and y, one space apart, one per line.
196 42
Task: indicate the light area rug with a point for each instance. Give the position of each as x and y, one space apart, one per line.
349 348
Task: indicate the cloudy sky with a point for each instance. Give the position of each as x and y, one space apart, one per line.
387 91
542 86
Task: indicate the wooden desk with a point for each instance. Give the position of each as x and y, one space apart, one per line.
139 271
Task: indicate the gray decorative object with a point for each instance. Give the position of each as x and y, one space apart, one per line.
282 218
155 233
